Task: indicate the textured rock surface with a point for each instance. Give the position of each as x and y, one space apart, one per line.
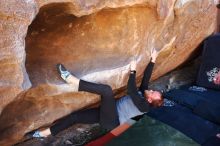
97 45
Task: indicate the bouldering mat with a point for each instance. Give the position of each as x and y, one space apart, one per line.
151 132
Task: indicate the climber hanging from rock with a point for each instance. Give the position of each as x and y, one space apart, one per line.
111 113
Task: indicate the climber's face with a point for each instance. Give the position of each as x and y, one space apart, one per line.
153 97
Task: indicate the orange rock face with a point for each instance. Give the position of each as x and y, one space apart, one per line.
95 40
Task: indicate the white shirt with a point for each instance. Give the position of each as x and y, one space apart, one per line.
126 109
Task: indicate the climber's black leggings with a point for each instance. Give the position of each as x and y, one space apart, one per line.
106 114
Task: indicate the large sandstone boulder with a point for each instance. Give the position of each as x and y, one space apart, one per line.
96 41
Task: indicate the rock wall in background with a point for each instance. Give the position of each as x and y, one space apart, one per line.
95 40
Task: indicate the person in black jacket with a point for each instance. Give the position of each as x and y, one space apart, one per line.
110 114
